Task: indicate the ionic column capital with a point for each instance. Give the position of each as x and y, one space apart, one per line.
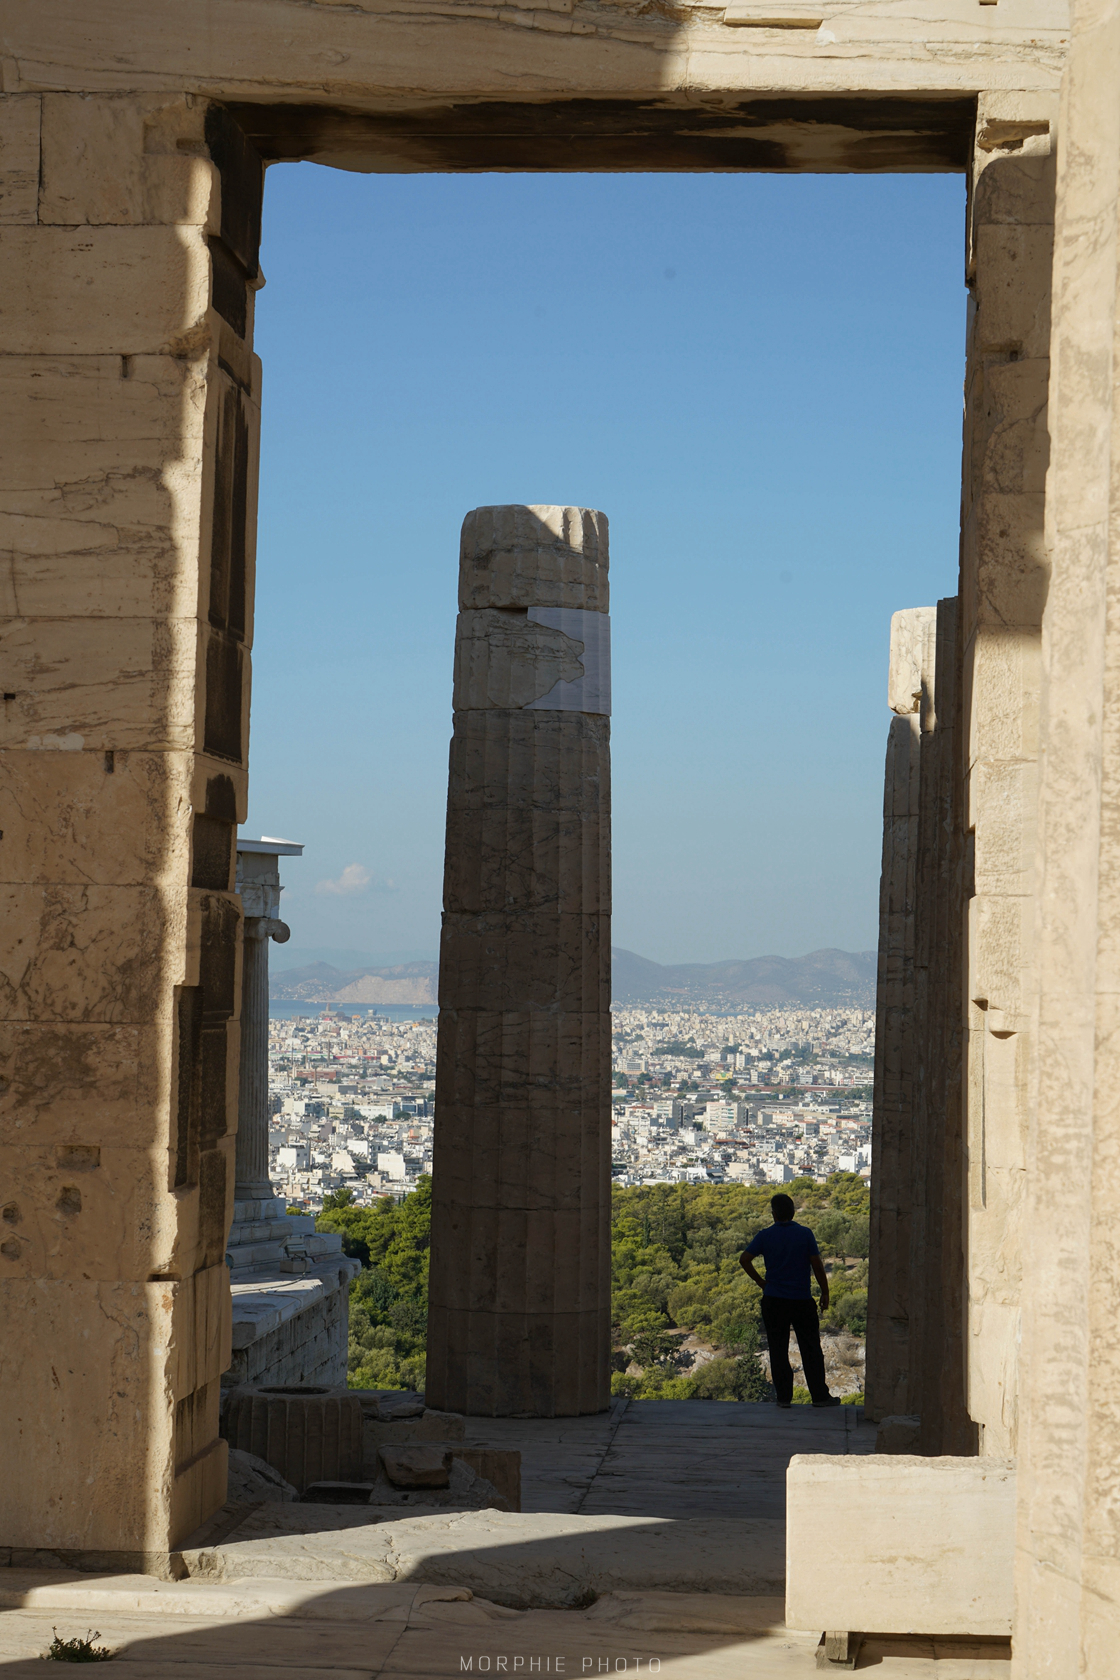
267 927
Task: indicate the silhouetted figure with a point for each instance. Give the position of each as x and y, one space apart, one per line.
790 1252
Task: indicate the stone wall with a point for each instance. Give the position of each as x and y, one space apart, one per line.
959 904
1068 1539
1015 1146
1002 597
129 401
315 74
918 1287
307 1350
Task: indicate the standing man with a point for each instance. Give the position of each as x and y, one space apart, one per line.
790 1250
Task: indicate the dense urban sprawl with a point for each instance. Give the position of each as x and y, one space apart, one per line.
766 1096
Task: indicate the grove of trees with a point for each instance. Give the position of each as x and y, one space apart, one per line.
675 1270
675 1263
389 1297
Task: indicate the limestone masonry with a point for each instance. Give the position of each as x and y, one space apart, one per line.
133 144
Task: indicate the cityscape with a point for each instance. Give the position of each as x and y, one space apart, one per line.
761 1097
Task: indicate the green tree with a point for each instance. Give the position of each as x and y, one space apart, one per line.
859 1239
849 1192
675 1259
389 1298
675 1266
392 1235
655 1349
336 1199
832 1231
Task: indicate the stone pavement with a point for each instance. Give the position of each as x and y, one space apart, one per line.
652 1496
652 1540
281 1630
531 1560
670 1458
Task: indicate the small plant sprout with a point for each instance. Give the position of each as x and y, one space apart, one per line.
77 1650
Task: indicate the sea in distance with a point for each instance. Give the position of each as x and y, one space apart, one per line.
284 1009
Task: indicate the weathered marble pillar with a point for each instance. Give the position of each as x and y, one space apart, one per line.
938 1235
258 882
519 1308
892 1201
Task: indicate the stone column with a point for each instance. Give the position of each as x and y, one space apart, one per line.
258 882
938 1236
519 1312
888 1303
252 1181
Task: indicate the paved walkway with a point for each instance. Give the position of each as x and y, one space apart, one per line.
262 1630
654 1496
651 1541
670 1458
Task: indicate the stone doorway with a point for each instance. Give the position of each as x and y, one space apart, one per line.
175 364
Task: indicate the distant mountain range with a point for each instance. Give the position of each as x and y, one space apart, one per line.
822 979
321 982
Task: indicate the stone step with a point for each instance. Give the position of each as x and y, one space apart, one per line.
324 1242
246 1212
315 1246
271 1230
258 1230
531 1560
245 1255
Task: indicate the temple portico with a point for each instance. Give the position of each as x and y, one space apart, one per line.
133 147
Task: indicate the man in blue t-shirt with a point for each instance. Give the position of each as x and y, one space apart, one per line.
790 1252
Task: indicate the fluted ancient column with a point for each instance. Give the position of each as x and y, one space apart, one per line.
258 882
519 1293
890 1300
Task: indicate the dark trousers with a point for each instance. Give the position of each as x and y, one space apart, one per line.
780 1317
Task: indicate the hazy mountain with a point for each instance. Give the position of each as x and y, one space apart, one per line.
320 982
349 961
823 978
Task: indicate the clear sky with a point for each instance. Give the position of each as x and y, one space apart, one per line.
757 378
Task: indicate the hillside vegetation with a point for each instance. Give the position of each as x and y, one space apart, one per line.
389 1297
675 1267
675 1274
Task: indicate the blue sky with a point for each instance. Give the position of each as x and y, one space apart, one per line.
758 379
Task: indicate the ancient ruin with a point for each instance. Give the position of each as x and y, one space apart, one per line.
133 144
519 1292
288 1282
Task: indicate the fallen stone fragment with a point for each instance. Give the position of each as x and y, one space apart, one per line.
401 1425
420 1466
396 1411
252 1479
